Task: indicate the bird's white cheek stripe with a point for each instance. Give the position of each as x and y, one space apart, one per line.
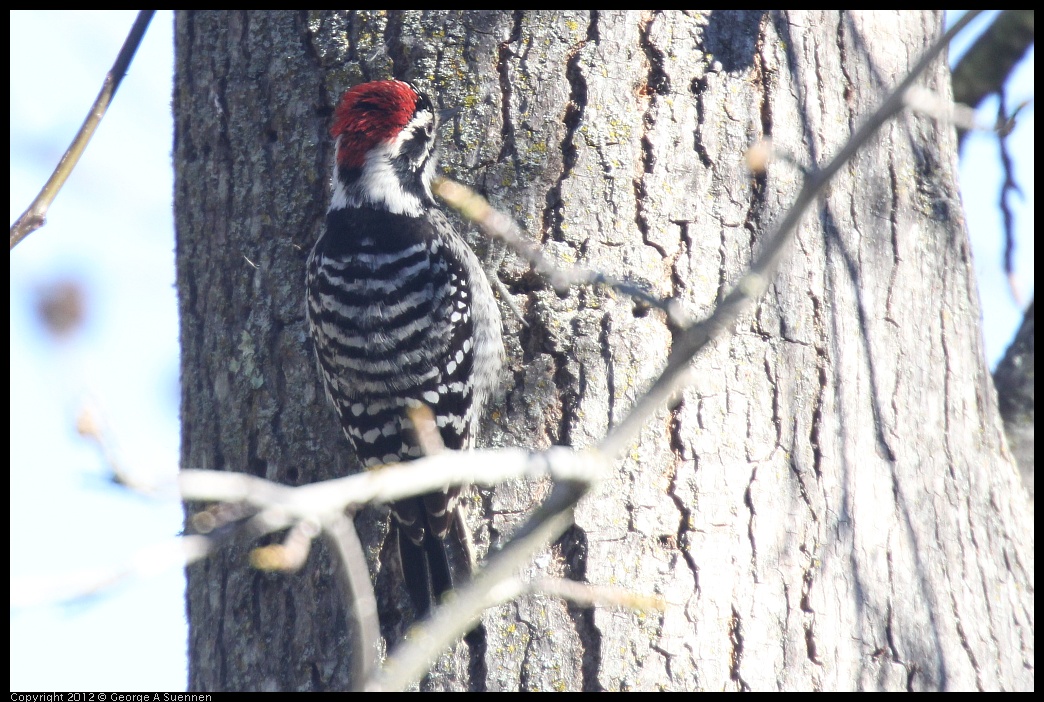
379 185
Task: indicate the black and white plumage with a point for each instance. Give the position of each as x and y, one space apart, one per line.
400 310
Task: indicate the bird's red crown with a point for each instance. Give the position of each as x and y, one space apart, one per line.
370 114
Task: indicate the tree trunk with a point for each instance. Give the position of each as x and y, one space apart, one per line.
829 506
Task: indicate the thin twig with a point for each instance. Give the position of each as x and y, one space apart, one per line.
391 483
497 225
358 594
71 587
944 110
1009 186
423 421
990 60
91 425
290 555
35 217
588 595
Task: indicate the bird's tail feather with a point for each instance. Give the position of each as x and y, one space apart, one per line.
434 547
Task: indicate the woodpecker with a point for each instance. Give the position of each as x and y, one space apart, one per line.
400 311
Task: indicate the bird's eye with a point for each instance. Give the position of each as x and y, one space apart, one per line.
423 104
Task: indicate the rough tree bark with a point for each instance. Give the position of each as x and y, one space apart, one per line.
829 506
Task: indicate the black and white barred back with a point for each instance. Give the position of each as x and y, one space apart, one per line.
399 310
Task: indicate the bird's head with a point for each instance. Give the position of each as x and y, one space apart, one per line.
385 144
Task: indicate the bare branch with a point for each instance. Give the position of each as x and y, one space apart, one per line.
392 483
423 420
359 597
35 217
498 225
69 587
574 472
943 110
589 595
90 425
1009 187
985 67
289 555
219 517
